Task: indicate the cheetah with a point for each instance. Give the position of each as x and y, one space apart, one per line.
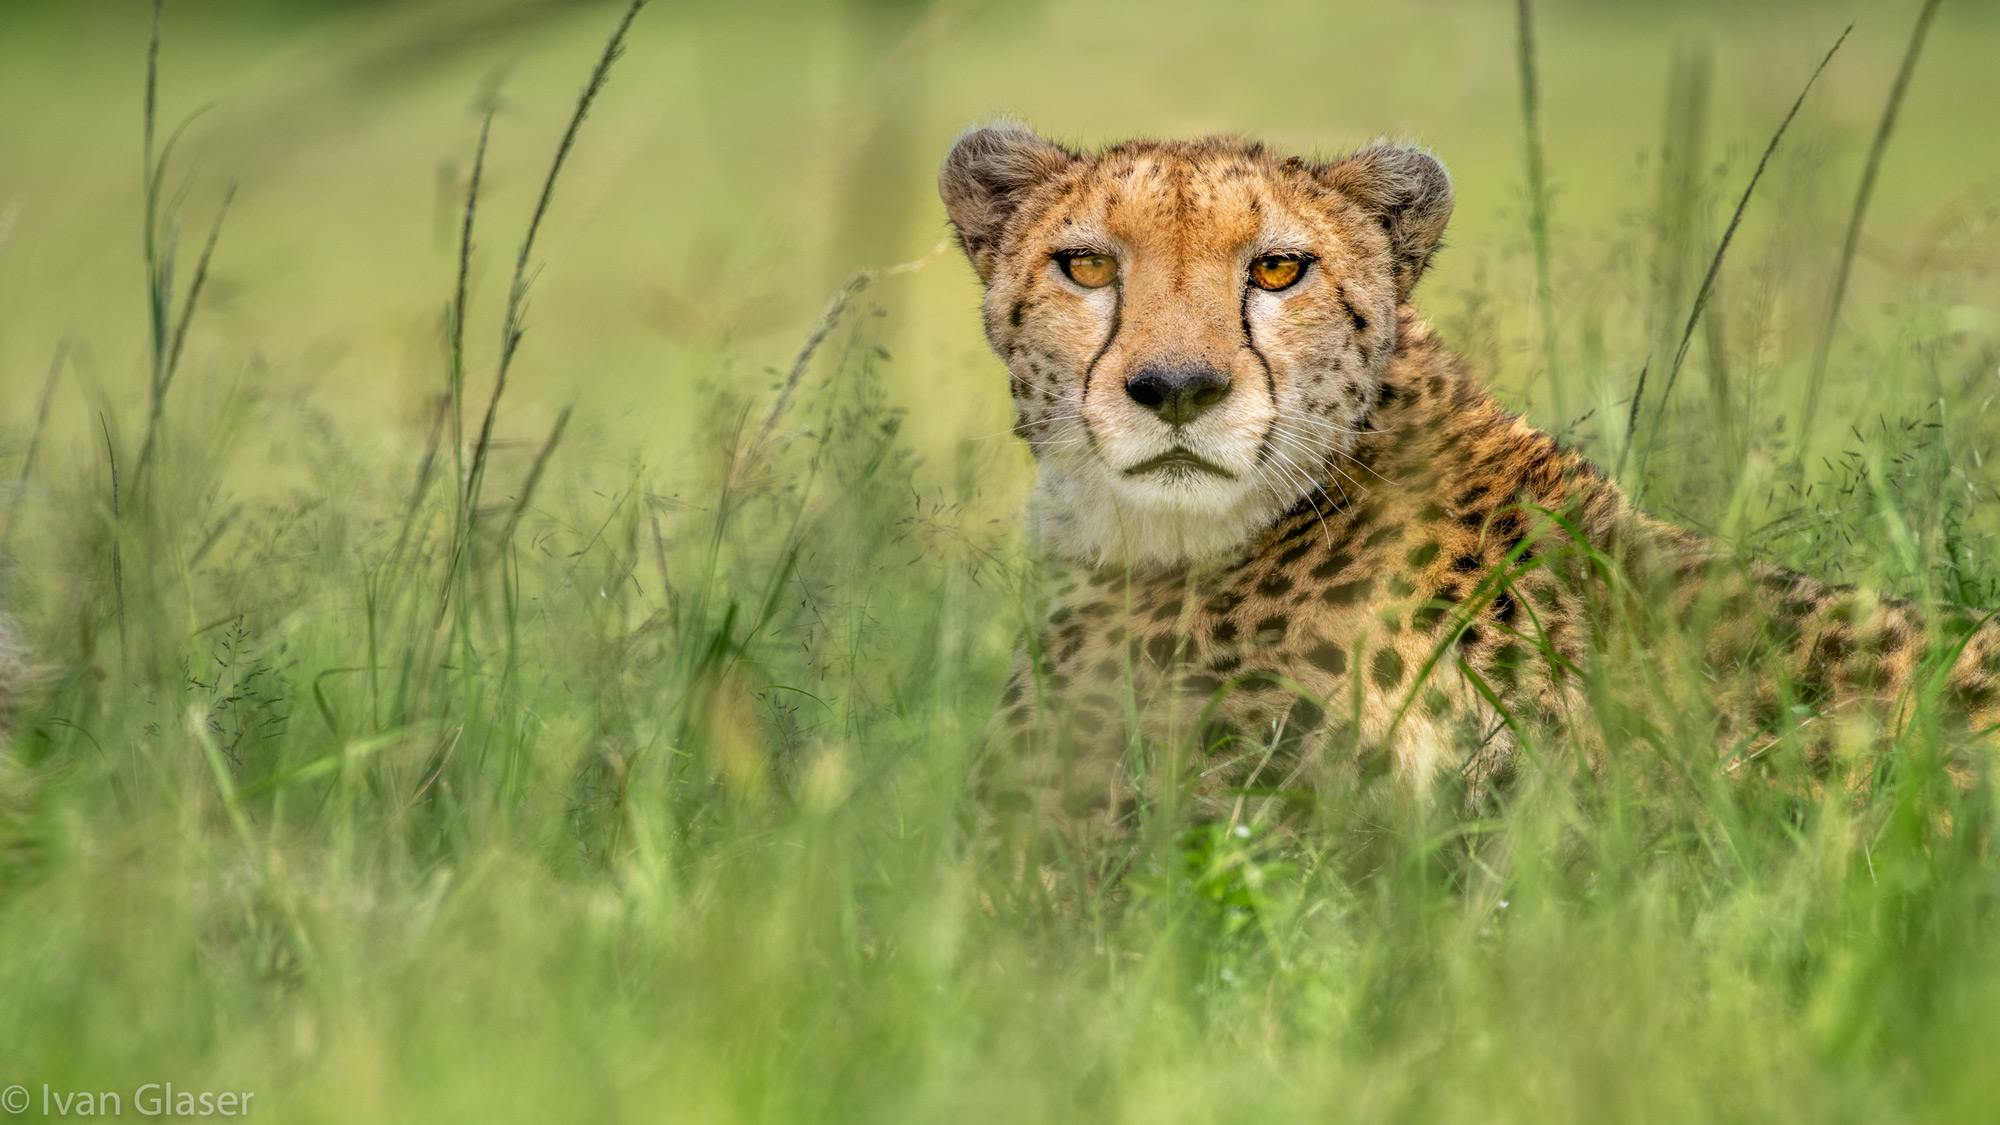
1283 526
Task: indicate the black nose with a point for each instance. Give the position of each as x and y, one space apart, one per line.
1179 393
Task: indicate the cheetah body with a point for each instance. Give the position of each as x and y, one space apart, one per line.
1365 560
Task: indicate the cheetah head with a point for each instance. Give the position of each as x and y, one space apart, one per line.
1195 331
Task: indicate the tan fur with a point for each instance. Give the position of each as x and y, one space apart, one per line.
1391 545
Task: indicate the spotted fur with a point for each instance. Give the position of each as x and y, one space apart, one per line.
1380 568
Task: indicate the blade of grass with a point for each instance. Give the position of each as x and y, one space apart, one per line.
1538 202
535 475
117 530
828 318
517 290
151 185
454 400
170 363
1823 346
35 439
1715 264
426 467
455 375
473 478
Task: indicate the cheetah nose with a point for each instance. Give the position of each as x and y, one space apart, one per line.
1179 393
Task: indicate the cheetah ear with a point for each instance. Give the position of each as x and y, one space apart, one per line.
1409 191
984 179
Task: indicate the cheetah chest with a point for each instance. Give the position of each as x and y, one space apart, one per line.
1358 635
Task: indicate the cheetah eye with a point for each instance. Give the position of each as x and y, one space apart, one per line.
1088 268
1277 271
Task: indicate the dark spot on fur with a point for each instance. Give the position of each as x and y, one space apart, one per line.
1334 564
1348 593
1383 534
1328 657
1972 694
1223 633
1388 668
1224 602
1168 610
1161 649
1813 685
1422 555
1012 695
1295 554
1218 733
1504 608
1305 716
1834 646
1401 587
1860 674
1226 662
1431 514
1271 630
1275 586
1427 617
1466 564
1201 685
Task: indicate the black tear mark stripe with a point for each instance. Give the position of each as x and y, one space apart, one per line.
1117 319
1250 341
1360 322
1360 326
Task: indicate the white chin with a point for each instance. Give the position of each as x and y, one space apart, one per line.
1161 519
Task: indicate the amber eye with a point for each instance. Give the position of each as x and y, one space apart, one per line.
1092 271
1276 271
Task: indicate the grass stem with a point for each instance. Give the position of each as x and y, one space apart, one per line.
1823 346
1538 205
35 440
1715 266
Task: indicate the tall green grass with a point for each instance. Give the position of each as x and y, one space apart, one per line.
514 775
